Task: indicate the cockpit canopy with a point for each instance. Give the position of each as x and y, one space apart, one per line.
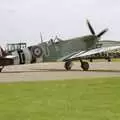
54 41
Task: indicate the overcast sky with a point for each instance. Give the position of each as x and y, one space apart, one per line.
23 20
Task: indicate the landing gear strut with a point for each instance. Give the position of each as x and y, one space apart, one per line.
84 65
68 65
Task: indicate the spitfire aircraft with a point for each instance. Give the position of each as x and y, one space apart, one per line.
80 48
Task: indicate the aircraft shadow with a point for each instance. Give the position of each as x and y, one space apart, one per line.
61 70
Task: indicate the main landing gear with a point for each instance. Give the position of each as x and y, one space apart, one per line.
84 65
68 65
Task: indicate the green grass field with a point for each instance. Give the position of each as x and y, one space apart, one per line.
95 99
116 60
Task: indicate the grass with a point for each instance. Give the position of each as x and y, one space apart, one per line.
95 99
116 60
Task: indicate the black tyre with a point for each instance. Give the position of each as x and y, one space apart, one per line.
68 65
109 60
91 60
85 66
1 68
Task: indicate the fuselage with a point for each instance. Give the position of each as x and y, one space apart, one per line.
60 49
52 51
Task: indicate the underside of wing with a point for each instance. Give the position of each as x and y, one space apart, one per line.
92 52
69 56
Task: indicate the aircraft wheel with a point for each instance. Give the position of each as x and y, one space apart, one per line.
109 60
91 60
68 65
1 68
85 66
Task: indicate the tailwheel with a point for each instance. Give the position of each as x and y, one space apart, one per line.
1 68
85 66
68 65
91 60
109 60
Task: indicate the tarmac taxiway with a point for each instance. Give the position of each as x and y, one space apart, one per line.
56 71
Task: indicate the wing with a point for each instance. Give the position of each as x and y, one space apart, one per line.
69 56
93 52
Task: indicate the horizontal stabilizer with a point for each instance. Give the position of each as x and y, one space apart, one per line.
10 56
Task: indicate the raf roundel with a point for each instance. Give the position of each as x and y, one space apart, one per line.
37 51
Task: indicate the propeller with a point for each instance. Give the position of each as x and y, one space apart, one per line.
93 32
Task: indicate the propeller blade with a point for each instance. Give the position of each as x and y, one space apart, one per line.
90 28
102 32
41 37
